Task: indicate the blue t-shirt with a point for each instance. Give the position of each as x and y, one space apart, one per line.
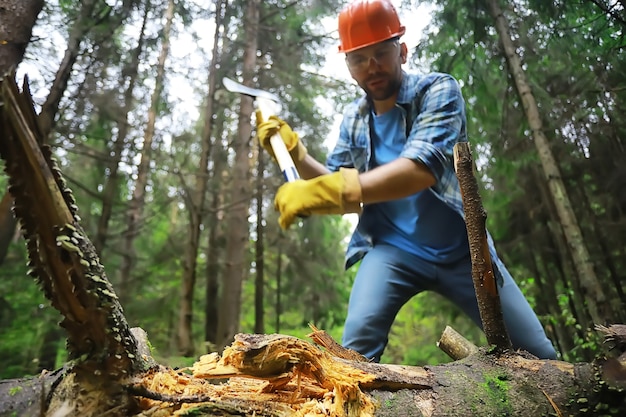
421 224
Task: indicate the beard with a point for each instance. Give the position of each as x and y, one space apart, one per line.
381 86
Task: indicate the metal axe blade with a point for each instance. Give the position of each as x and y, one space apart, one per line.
269 104
235 87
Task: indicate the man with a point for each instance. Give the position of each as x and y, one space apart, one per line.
393 163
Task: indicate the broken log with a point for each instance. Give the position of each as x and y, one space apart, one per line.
280 375
454 345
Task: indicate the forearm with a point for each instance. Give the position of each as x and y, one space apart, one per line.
309 168
397 179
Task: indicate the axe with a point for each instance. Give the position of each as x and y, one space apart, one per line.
268 104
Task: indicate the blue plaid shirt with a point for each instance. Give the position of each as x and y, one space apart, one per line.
433 110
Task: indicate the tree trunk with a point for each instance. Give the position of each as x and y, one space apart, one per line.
111 187
595 298
259 249
237 244
62 258
216 239
483 277
278 309
198 198
134 215
17 18
212 274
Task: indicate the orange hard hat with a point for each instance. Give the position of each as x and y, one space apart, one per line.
366 22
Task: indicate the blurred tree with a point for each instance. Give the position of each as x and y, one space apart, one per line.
17 19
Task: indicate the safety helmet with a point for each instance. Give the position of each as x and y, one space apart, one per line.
366 22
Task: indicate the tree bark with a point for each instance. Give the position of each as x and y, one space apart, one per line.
215 244
61 256
259 248
17 18
483 277
278 375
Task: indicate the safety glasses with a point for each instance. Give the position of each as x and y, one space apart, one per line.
383 54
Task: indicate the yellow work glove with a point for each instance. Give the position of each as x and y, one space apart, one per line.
265 129
336 193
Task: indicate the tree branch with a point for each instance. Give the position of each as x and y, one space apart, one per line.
482 272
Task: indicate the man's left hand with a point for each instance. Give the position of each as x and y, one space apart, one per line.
336 193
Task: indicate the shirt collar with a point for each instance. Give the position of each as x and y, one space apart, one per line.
405 95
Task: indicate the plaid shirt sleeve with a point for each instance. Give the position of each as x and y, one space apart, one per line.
438 123
352 149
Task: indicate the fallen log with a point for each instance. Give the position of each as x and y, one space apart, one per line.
279 375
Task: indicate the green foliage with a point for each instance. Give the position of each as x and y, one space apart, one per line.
25 316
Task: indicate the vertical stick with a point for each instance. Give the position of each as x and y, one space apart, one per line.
482 272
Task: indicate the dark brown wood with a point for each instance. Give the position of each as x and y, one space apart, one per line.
482 272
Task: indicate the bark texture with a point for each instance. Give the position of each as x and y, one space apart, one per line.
483 277
17 18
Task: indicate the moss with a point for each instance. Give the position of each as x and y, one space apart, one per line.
494 393
15 390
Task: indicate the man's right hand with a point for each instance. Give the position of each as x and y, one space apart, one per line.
265 129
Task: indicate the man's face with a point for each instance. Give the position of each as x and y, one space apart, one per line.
378 68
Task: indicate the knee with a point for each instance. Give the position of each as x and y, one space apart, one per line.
545 351
540 346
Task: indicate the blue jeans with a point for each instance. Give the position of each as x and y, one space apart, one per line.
388 277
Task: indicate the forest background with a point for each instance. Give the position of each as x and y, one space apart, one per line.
177 198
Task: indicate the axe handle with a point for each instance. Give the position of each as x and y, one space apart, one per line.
285 162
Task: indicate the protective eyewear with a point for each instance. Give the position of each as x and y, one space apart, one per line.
358 62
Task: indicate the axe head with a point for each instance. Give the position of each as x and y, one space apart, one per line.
265 101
